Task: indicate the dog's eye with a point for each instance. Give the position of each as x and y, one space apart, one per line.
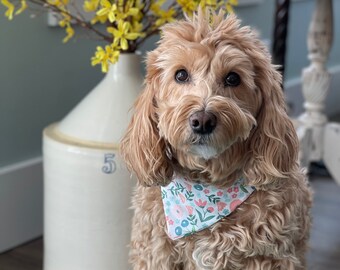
232 79
182 76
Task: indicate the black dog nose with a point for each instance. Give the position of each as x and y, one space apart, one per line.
202 122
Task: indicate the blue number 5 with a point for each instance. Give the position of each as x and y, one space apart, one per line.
109 164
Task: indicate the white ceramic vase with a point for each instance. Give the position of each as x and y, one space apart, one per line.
87 189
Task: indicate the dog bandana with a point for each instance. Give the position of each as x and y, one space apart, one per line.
191 207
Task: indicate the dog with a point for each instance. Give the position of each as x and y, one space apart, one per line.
212 119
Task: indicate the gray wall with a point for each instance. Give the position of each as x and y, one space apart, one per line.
262 18
41 79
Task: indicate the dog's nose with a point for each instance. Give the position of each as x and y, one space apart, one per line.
202 122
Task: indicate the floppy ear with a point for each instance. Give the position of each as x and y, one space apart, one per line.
144 152
273 144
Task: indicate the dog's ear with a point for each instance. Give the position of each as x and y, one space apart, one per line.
143 150
273 143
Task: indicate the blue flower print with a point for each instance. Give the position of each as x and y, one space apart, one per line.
198 187
185 223
178 230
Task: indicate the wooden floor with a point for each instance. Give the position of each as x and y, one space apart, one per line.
325 237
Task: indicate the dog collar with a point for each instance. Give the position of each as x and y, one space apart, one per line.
191 207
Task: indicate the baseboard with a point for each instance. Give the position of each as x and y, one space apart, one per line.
21 203
293 92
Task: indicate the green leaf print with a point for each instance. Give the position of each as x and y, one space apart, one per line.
189 195
243 189
176 190
164 194
191 217
212 198
202 216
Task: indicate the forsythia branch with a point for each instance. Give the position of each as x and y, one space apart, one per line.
128 23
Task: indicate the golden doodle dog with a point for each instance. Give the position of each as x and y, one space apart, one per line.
215 154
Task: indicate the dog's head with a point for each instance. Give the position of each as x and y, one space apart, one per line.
212 106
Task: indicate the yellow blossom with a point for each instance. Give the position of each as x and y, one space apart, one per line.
69 32
209 3
230 4
156 6
101 19
105 57
22 8
65 21
91 5
122 34
108 10
188 6
126 9
10 9
137 27
165 16
58 3
139 5
233 2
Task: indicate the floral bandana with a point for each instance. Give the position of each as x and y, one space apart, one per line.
191 207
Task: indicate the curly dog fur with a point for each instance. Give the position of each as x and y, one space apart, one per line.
253 138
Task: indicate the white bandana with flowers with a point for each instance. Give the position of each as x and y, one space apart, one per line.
191 207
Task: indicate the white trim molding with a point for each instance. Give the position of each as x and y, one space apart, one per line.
21 203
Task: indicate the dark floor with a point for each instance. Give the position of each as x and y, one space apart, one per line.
325 237
25 257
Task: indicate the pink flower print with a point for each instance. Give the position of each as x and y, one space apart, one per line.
177 211
188 186
171 222
220 206
167 218
210 209
230 190
219 193
235 189
234 204
182 198
206 191
234 196
190 209
200 203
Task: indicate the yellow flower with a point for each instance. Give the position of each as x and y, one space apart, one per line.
108 10
139 5
126 9
58 3
65 21
209 3
122 34
22 8
230 4
105 57
188 6
10 9
165 17
101 19
69 32
91 5
137 27
156 6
